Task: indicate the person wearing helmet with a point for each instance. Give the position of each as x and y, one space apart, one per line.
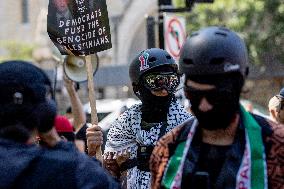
276 107
131 138
27 111
225 147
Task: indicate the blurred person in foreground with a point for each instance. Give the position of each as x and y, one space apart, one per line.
64 128
225 147
276 107
27 111
131 138
66 131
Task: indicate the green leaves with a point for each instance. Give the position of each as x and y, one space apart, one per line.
259 22
15 50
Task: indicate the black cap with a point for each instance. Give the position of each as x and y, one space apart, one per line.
23 88
19 79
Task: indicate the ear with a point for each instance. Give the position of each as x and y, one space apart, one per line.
273 113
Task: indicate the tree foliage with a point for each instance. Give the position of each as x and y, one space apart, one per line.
259 22
13 50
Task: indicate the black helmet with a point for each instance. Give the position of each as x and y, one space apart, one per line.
214 50
281 93
147 60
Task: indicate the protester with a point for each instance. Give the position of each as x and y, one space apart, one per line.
64 128
131 138
27 111
77 115
66 131
225 147
276 107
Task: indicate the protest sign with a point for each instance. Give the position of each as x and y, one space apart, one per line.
79 26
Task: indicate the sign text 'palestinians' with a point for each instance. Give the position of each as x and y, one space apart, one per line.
81 26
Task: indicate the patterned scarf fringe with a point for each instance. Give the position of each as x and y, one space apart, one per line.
113 153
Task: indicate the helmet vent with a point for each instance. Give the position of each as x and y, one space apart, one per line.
221 33
217 61
194 34
187 61
168 57
152 59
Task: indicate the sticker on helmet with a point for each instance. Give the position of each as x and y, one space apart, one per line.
228 67
144 61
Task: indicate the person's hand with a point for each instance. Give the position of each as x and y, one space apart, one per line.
69 84
50 138
94 138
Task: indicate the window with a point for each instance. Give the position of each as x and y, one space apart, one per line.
25 12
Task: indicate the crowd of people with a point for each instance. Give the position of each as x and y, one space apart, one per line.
158 143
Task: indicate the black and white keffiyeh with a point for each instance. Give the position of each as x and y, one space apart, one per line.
125 133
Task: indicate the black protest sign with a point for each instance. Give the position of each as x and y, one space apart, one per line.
79 26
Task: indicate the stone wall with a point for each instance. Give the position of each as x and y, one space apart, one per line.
12 27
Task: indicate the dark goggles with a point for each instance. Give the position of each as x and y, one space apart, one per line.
158 81
213 96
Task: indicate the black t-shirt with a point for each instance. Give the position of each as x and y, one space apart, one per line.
208 166
211 160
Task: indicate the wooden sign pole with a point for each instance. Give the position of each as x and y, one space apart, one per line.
92 99
100 39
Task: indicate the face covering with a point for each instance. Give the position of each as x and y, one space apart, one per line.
154 108
224 99
219 117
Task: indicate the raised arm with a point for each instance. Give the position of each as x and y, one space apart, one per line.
77 108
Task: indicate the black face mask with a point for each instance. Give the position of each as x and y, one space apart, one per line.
225 102
154 108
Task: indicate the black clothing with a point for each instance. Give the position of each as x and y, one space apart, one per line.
29 166
81 135
219 162
211 160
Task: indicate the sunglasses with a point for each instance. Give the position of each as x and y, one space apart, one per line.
158 81
213 96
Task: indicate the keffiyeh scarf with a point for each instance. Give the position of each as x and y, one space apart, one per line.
125 133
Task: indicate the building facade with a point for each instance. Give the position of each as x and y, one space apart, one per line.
25 21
